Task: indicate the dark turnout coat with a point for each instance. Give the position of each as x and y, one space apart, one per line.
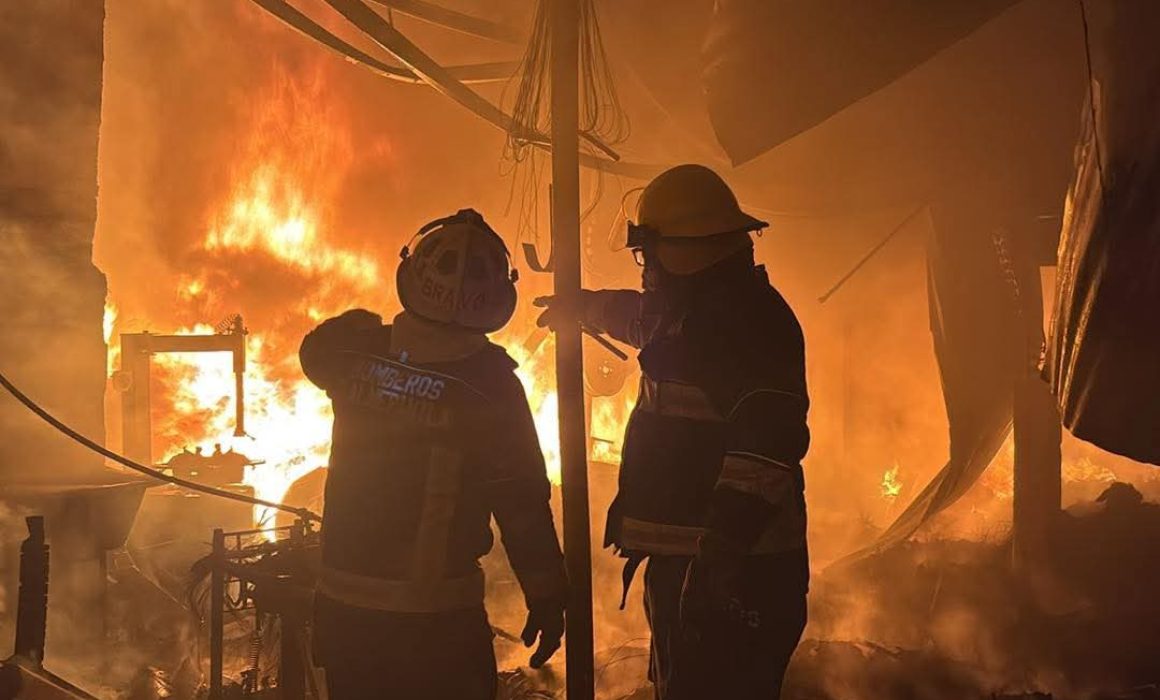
712 454
423 455
721 411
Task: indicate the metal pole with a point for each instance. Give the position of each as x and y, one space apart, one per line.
136 424
32 605
565 43
217 602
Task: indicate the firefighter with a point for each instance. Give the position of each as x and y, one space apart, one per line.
711 489
432 437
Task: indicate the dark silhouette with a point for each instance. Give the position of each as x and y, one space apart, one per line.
432 436
711 487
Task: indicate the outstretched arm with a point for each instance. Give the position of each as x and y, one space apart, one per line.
617 312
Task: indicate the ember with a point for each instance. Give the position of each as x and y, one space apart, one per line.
891 486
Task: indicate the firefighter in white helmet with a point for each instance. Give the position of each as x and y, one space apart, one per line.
711 486
432 437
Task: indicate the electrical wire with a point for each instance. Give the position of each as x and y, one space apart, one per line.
47 417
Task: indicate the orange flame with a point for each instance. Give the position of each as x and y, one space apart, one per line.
891 485
285 180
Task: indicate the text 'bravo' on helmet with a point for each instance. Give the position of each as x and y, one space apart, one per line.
458 274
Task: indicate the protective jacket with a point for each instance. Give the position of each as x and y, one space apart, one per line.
423 455
720 420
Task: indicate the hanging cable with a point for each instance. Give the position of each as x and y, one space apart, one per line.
870 255
47 417
1087 47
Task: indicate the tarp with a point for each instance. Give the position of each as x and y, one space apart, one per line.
1104 361
986 312
998 109
775 68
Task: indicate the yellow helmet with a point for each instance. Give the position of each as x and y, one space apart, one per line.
692 201
690 219
459 274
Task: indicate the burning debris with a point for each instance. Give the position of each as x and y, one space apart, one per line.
891 486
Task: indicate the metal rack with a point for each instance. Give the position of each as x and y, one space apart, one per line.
272 572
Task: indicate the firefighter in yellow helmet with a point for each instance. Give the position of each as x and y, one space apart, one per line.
432 438
711 487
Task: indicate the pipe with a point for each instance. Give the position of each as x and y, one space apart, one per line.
217 602
565 77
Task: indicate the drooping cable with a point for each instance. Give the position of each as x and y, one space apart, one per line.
601 115
601 118
52 420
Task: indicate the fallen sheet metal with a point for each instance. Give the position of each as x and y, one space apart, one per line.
1105 342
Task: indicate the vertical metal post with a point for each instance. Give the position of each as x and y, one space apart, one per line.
32 605
217 602
565 47
135 419
292 666
239 380
1038 474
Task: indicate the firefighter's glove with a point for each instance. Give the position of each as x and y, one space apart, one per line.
587 308
546 621
713 596
360 320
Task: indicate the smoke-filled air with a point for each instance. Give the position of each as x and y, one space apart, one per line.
579 349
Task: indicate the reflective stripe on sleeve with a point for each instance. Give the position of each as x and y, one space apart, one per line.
676 400
659 538
682 540
760 476
758 392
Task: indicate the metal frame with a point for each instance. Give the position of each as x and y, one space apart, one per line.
137 351
227 566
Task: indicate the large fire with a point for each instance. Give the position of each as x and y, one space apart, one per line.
278 213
